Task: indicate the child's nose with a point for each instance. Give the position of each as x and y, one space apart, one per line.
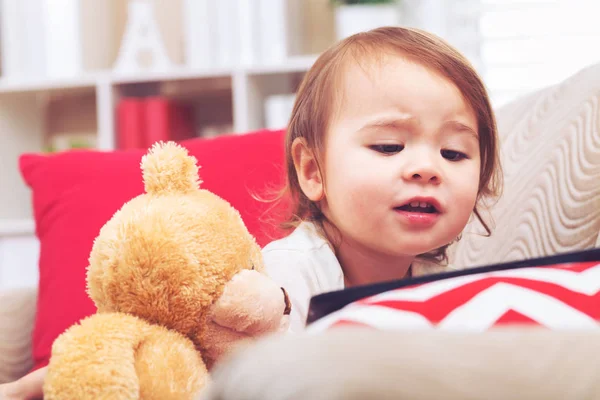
425 177
422 171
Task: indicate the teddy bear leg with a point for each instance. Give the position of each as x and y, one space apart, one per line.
169 367
95 359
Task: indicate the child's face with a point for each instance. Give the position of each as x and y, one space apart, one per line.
403 134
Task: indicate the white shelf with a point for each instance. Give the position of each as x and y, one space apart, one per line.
291 65
24 111
17 227
32 84
171 75
297 64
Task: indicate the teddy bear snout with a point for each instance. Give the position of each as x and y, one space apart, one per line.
251 303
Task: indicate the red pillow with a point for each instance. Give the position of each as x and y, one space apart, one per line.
558 296
75 193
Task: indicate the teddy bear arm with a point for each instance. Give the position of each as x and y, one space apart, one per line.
169 366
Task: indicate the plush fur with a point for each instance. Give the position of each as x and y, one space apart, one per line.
177 280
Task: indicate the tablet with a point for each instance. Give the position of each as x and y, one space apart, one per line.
327 303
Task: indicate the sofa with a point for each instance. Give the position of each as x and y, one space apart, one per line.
550 149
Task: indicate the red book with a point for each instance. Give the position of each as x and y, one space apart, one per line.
167 120
157 120
130 123
182 122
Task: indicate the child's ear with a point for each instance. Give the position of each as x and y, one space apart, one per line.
307 169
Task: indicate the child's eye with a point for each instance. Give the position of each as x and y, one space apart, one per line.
388 148
452 155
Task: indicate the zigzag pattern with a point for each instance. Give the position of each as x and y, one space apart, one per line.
558 297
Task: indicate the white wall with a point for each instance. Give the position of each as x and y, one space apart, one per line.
18 261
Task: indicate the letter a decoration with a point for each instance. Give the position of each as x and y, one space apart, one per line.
142 47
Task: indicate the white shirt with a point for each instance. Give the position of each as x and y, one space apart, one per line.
305 265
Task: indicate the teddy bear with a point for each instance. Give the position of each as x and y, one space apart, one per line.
177 280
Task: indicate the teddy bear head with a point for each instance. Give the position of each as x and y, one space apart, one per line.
168 254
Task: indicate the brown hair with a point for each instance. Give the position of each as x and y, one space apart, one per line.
315 99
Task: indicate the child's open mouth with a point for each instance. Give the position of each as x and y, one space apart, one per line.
418 207
419 212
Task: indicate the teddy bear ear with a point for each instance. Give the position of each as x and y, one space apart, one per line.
168 168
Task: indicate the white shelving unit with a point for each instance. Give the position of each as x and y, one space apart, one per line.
23 105
38 103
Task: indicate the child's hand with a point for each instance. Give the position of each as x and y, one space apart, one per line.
30 387
16 391
10 391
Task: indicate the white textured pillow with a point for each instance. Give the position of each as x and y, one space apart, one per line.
17 312
550 153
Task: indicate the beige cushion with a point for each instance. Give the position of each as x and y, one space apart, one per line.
550 145
366 364
17 313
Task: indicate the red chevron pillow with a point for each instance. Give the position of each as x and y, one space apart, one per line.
557 296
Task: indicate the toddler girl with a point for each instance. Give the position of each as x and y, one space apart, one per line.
390 148
391 144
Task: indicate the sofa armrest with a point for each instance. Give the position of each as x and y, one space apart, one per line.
509 363
17 315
